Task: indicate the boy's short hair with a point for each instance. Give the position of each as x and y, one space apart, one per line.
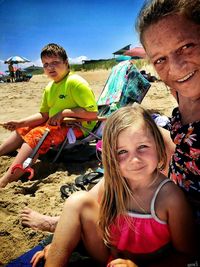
54 50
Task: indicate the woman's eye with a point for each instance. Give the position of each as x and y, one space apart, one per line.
159 61
185 47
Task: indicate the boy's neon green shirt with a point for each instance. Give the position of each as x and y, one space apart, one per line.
72 92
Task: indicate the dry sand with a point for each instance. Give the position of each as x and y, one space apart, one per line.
18 100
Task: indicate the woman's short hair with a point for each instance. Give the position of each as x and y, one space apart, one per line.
154 10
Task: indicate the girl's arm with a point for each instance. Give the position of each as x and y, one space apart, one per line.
182 229
181 222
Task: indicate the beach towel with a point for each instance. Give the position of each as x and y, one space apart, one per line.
79 257
24 260
124 86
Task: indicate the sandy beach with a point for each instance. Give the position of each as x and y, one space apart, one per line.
18 100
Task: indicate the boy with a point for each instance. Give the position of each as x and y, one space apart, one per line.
68 95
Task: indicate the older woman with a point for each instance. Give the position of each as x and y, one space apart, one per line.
170 33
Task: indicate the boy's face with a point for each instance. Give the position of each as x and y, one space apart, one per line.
55 68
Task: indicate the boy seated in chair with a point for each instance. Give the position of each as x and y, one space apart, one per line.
68 95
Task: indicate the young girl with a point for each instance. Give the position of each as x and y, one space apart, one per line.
143 218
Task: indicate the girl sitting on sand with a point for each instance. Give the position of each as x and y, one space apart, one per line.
143 218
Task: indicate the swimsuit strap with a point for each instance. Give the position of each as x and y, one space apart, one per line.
153 213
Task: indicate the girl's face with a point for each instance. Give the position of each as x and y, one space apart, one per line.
173 46
137 154
55 68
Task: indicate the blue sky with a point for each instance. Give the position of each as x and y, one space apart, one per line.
91 28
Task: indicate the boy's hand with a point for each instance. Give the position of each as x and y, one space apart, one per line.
11 125
56 119
121 263
40 255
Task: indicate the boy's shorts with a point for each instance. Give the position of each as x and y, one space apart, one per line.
57 134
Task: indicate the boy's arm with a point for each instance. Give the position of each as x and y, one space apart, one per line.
72 113
79 113
30 121
35 119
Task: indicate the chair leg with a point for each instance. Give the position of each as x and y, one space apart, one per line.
60 150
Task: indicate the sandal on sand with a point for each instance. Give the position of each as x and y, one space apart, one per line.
91 178
82 182
68 189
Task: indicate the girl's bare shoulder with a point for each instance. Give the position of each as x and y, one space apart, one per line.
171 195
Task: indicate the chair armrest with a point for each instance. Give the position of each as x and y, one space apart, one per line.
67 119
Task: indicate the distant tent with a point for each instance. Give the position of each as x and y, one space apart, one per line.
33 68
122 50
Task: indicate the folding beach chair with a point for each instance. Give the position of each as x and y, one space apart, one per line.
125 86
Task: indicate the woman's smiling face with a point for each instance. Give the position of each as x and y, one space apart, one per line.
173 46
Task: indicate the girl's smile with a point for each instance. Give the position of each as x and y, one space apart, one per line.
136 151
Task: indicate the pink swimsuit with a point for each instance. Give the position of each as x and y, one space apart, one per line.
137 234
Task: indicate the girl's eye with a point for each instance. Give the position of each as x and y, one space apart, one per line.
121 152
122 155
141 147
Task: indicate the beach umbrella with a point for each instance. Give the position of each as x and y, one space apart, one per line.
16 60
136 52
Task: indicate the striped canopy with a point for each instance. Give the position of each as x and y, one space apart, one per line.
16 60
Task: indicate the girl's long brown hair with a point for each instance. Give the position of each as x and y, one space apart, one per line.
116 189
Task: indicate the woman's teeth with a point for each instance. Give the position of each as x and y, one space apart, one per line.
186 77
